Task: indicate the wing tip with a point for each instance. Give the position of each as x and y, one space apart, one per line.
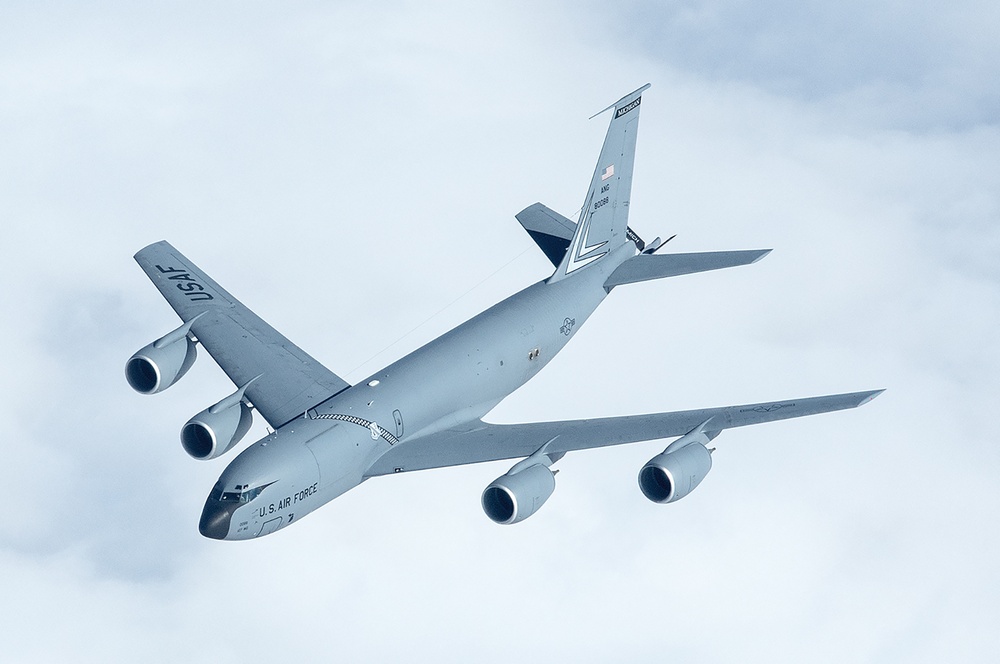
868 396
150 247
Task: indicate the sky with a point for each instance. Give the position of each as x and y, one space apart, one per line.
351 170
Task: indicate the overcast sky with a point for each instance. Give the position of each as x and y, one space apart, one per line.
349 170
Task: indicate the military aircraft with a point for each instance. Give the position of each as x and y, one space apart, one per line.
425 410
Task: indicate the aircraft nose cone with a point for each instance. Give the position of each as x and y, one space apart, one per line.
215 519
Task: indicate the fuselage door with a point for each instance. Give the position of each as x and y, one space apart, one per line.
398 416
270 526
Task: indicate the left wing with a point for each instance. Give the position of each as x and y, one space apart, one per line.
288 381
482 441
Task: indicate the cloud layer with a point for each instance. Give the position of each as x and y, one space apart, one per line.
348 172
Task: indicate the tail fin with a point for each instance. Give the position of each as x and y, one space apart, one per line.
604 218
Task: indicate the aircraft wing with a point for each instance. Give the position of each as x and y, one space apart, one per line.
290 381
482 441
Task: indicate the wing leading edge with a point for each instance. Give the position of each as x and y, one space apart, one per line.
482 441
288 381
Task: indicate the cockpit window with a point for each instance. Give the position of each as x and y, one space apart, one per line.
241 493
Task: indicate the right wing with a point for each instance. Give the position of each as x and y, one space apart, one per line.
290 381
492 442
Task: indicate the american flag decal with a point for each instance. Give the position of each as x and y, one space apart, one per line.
608 172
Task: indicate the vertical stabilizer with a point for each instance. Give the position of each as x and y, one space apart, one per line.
604 218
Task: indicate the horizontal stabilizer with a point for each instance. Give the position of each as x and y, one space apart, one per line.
550 230
645 266
553 232
481 441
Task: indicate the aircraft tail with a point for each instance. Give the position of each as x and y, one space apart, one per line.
604 219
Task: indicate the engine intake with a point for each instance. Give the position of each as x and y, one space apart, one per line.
675 473
159 365
518 494
215 430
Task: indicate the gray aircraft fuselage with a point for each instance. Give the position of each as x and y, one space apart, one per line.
425 410
453 380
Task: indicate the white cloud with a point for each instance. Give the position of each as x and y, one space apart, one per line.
332 166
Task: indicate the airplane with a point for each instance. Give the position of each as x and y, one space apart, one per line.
426 410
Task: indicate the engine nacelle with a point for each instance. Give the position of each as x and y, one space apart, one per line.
518 494
214 431
159 365
675 473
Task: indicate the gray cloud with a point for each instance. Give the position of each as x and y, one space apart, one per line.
895 65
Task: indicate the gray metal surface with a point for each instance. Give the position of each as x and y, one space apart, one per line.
482 441
604 217
645 267
243 345
425 410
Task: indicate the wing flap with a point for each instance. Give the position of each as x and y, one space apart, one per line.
482 441
243 345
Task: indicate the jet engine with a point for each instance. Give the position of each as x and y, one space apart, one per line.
159 365
518 494
675 473
681 467
215 430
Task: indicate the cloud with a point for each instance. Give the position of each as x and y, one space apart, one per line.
890 64
348 172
